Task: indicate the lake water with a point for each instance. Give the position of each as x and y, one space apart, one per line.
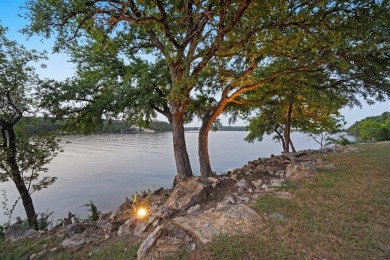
107 168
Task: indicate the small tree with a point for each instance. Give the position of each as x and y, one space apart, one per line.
22 159
302 102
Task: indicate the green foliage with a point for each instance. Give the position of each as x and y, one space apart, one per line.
93 211
22 158
294 102
8 211
342 140
375 128
33 155
41 221
205 55
2 232
159 126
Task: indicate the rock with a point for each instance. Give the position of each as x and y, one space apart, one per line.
289 171
264 186
53 250
257 183
149 242
243 183
244 199
250 190
173 240
127 228
124 210
307 166
277 216
163 213
107 226
18 231
281 173
194 209
156 223
158 191
140 228
32 256
240 190
212 180
230 220
186 194
277 183
77 240
75 228
283 195
319 161
233 199
327 166
106 216
41 253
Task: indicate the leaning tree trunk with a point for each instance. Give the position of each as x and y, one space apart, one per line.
17 178
292 146
182 160
203 149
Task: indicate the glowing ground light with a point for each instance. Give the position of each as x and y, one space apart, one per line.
141 212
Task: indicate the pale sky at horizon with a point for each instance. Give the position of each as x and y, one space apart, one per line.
59 69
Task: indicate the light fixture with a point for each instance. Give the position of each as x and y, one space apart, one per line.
142 212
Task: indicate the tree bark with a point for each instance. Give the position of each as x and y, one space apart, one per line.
203 149
17 178
4 137
287 129
292 146
182 160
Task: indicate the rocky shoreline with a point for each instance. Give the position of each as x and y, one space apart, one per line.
191 214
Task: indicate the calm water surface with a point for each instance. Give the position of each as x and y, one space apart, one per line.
107 168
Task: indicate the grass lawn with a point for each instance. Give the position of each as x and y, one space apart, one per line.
338 214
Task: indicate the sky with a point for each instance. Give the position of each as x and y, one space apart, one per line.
59 68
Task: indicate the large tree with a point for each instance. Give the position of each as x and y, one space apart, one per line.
22 159
232 42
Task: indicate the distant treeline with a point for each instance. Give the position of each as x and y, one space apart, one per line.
375 128
39 125
222 128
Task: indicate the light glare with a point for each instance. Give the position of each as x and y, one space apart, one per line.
141 212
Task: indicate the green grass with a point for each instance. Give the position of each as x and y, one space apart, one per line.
338 214
120 249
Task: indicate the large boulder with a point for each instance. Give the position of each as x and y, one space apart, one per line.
187 194
18 231
230 220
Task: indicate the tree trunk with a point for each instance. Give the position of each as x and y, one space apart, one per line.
183 166
281 138
287 129
4 138
286 147
17 178
292 146
203 149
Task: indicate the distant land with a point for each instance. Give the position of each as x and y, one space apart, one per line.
222 128
40 125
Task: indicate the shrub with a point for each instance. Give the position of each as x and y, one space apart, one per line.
94 213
